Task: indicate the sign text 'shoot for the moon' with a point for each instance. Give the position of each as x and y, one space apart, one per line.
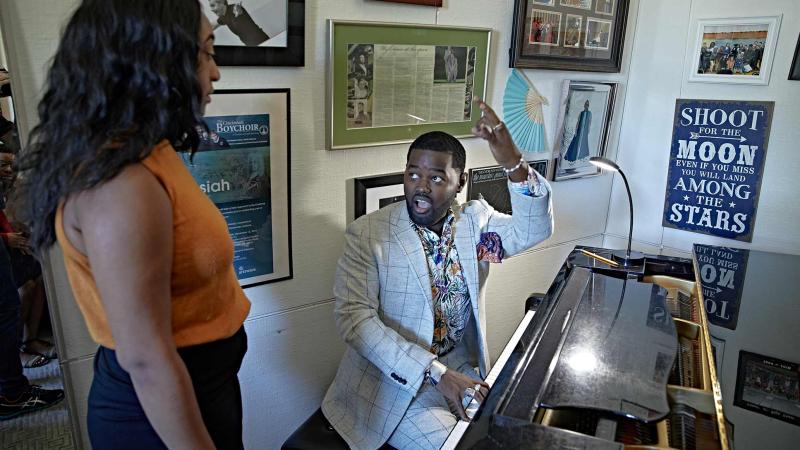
717 159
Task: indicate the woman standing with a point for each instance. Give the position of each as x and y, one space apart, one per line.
148 255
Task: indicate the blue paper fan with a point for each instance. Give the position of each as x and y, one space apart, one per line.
522 112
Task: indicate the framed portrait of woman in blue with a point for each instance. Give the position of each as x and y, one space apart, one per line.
586 111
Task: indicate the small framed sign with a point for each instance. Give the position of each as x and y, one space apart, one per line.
491 184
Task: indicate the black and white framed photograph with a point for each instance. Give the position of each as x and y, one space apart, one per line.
768 386
738 51
257 32
585 115
794 70
374 192
491 184
242 164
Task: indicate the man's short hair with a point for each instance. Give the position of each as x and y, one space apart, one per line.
439 141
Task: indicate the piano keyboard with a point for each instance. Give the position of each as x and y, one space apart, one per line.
461 426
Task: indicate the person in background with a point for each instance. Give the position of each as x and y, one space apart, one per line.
148 255
27 273
409 293
17 395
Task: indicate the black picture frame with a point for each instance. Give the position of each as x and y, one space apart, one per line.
527 54
241 103
757 379
794 70
490 183
363 203
291 55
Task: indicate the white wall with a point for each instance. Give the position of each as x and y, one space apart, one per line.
293 345
657 79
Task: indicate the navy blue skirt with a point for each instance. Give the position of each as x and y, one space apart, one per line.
117 421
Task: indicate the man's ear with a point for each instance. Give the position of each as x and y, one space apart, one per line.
462 180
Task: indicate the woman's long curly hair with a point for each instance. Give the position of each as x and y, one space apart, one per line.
123 79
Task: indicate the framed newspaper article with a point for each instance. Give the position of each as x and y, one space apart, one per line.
390 82
242 164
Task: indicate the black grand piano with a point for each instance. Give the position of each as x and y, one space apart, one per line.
610 357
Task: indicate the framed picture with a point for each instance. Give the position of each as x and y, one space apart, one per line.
258 33
418 2
490 183
736 51
582 35
768 386
242 164
585 115
389 83
375 192
794 71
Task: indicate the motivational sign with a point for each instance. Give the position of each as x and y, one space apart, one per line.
722 272
716 162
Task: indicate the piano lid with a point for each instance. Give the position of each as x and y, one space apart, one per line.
618 351
751 301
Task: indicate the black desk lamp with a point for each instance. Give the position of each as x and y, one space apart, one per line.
626 258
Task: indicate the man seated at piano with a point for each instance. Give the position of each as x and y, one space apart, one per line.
409 293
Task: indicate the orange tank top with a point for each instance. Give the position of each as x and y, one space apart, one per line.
207 302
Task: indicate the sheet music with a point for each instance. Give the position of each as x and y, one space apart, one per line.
461 426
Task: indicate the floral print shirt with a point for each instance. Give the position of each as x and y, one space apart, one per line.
451 305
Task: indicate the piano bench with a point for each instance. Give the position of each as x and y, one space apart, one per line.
316 433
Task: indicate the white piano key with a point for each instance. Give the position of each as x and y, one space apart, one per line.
461 426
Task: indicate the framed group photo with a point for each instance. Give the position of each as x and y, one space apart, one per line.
242 164
582 35
388 83
738 51
586 111
257 32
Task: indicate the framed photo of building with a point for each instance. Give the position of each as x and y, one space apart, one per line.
374 192
738 51
257 32
388 83
581 35
242 164
491 184
586 110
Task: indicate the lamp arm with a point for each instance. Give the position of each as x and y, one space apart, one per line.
630 204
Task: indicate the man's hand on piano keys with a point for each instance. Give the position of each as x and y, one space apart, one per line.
452 386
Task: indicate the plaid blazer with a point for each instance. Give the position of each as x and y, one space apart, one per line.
384 308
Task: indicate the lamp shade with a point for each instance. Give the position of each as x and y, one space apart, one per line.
604 163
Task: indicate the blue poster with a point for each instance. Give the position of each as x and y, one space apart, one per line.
716 162
232 166
722 272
